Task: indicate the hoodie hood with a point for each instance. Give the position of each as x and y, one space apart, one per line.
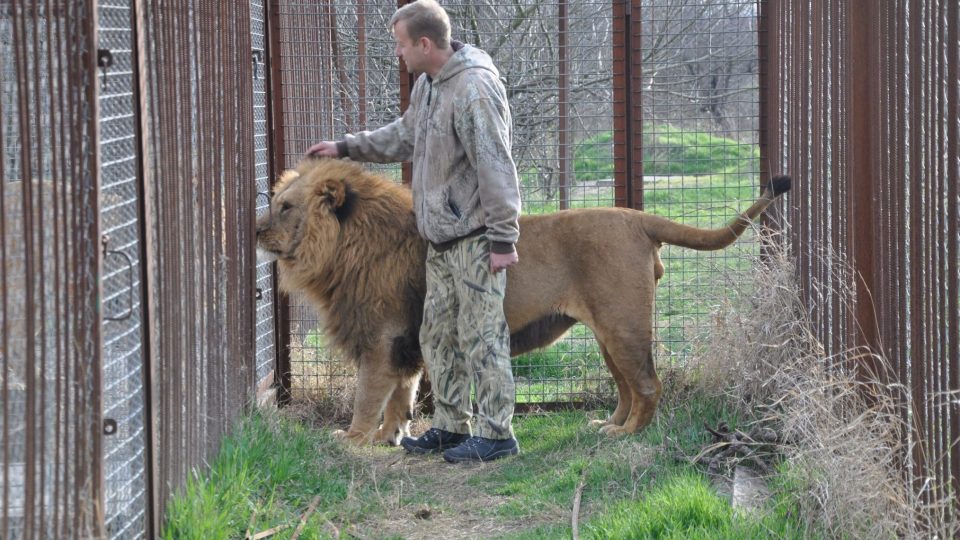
467 57
456 131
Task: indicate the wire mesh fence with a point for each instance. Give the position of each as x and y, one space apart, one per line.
266 301
558 61
131 339
50 356
701 159
867 98
123 392
200 197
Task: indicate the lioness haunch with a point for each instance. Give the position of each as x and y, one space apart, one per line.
347 239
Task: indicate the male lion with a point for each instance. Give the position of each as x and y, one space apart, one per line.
348 240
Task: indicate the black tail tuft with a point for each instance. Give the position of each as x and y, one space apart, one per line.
780 185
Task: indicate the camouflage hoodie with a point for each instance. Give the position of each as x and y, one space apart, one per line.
457 133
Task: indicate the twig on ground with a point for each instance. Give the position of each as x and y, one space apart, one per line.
253 518
736 446
269 532
575 518
306 516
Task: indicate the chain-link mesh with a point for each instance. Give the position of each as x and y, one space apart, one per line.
266 342
124 469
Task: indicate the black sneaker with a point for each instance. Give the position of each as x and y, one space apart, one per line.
481 449
434 440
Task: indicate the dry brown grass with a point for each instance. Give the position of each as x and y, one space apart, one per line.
844 451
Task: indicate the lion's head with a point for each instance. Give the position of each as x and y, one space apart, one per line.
307 207
329 217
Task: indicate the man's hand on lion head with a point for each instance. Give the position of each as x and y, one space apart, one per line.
323 149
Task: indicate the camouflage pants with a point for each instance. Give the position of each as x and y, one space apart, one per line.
465 340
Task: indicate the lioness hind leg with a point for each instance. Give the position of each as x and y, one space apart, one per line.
624 394
399 411
375 384
638 371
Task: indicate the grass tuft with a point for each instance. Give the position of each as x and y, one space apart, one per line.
843 453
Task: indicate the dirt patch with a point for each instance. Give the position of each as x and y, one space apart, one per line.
454 507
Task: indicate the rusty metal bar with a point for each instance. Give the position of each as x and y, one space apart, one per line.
361 64
915 176
621 143
275 99
864 158
627 110
768 54
566 172
152 518
406 86
6 361
952 79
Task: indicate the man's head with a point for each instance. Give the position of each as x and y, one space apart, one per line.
422 32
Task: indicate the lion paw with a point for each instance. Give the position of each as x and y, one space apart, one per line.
352 436
600 423
613 430
389 438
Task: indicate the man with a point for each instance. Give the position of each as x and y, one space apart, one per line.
457 133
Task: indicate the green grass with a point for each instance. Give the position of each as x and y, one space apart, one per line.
673 151
668 150
265 471
266 474
685 507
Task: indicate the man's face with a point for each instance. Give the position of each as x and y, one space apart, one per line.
412 52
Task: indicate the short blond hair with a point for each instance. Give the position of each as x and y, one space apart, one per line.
425 18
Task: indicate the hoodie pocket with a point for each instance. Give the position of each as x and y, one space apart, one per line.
454 208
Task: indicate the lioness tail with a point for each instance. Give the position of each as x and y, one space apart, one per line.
670 232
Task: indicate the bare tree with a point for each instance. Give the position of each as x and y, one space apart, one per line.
699 64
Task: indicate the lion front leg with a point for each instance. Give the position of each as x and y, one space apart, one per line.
375 384
399 411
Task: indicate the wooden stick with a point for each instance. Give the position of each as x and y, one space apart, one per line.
306 516
576 505
253 518
270 532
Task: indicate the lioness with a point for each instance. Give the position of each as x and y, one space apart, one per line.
347 238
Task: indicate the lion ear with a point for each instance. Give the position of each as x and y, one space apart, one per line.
286 177
334 192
